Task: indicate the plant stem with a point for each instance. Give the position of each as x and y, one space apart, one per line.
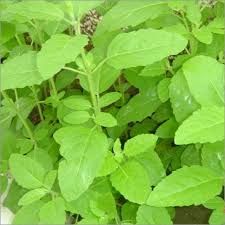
29 131
52 82
16 98
75 71
18 40
37 103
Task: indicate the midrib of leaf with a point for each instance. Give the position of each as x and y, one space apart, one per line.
191 187
216 90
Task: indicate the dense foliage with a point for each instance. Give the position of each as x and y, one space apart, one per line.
112 111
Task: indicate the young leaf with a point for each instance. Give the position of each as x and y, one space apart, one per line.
27 172
77 102
182 102
215 203
186 186
77 117
19 72
109 98
32 196
204 125
28 214
205 78
134 176
50 60
84 163
139 144
143 47
105 120
153 215
217 217
27 10
153 70
53 212
163 89
203 34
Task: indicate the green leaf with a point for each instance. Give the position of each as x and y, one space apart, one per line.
193 12
109 165
139 144
124 14
64 79
167 129
203 34
217 217
163 89
182 102
205 78
4 184
204 125
27 10
153 166
186 186
152 215
153 70
50 178
77 102
50 60
109 98
132 175
77 117
215 203
191 156
139 107
20 71
53 212
213 157
105 119
217 25
84 163
28 214
128 212
25 145
8 31
27 172
32 196
143 47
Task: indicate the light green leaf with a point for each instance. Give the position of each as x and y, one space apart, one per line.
153 70
84 163
193 12
139 107
139 144
27 172
59 50
153 166
105 120
24 145
8 31
204 125
167 129
203 34
153 215
53 212
205 78
20 71
109 98
217 25
64 78
27 10
28 214
217 217
143 47
109 165
163 89
77 102
124 14
186 186
32 196
132 175
77 117
182 102
50 178
215 203
213 157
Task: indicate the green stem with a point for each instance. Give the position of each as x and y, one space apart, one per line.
52 82
18 40
37 103
16 98
29 131
75 71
